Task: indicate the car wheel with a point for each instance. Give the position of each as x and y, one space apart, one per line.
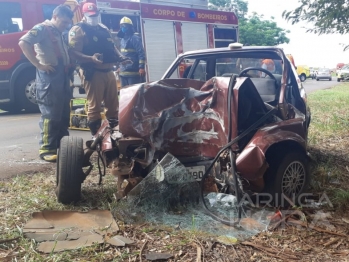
317 79
338 79
25 93
330 79
303 77
69 173
287 175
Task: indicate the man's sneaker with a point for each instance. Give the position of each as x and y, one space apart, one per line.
49 157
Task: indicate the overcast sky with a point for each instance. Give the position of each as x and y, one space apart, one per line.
306 48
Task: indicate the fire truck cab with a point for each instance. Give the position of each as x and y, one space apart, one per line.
17 74
167 28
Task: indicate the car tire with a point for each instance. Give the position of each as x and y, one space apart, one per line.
287 174
24 92
317 79
330 79
69 173
338 79
302 77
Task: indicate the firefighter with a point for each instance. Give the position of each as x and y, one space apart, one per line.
52 64
92 45
131 47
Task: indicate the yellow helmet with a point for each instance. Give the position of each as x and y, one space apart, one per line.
126 20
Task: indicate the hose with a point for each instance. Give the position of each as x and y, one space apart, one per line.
232 155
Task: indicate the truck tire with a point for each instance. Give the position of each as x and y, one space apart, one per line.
303 77
287 174
25 92
69 172
338 79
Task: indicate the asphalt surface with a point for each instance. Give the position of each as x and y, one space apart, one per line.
20 136
311 85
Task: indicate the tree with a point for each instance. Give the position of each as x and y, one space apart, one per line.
239 7
327 16
256 31
252 30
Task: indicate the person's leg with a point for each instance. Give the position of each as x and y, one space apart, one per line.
111 100
95 91
49 97
134 80
65 120
123 81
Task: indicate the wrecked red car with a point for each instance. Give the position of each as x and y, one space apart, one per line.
235 125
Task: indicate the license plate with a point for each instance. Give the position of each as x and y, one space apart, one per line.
196 171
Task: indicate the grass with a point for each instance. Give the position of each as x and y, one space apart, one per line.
329 142
23 195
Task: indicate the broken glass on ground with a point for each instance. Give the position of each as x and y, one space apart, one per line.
67 230
168 195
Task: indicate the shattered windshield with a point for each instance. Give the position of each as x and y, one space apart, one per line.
170 196
204 67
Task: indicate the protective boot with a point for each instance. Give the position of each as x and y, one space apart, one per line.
94 126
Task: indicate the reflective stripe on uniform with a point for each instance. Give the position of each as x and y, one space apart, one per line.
124 73
45 138
142 61
128 50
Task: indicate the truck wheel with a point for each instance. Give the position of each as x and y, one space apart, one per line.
25 92
303 77
69 170
288 175
338 79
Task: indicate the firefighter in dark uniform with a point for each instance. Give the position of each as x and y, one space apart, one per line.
91 44
53 67
131 47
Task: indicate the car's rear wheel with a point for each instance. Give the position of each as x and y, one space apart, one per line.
25 92
288 175
69 170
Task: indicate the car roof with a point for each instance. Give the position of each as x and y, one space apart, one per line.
228 50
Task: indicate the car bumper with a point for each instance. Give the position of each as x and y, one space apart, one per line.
323 77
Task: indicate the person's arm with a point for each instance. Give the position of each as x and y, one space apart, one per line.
27 42
76 43
137 44
29 53
82 58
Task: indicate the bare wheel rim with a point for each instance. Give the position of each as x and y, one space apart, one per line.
30 91
293 179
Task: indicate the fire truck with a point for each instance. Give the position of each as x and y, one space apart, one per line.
167 28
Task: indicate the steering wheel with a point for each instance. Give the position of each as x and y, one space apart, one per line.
243 72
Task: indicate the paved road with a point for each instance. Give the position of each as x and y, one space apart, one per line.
312 85
20 137
19 145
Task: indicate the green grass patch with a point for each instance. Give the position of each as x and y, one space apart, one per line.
329 142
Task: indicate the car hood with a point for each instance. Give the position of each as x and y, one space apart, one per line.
186 117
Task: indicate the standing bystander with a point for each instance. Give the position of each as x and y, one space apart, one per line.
53 94
92 45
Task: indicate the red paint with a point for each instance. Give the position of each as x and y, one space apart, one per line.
187 14
210 28
179 41
124 5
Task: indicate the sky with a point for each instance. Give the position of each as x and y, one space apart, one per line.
307 48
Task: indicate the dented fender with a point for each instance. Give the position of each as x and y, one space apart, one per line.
252 163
